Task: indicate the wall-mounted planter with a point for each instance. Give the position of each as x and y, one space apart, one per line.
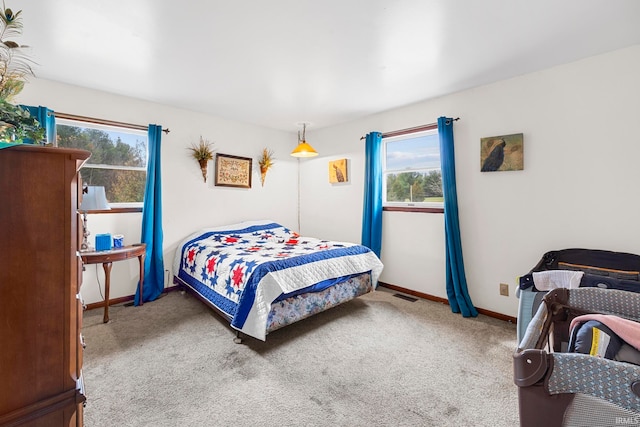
203 168
202 152
266 162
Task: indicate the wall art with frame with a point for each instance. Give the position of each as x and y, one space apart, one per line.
233 171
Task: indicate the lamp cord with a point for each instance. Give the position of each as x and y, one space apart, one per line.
299 231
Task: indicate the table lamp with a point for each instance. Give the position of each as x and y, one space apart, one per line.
94 198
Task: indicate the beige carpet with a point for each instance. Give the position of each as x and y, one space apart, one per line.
375 361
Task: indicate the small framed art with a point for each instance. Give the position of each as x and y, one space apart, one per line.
338 171
502 153
233 171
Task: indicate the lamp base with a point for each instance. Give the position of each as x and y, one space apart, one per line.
85 246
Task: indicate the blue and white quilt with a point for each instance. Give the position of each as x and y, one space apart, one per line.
242 269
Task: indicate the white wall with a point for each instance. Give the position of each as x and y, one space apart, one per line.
189 204
578 188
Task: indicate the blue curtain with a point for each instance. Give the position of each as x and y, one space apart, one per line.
152 222
457 292
372 212
47 120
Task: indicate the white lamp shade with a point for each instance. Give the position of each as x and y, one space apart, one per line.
94 199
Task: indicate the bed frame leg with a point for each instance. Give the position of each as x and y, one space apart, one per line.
238 338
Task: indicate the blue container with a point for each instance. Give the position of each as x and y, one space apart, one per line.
118 241
103 242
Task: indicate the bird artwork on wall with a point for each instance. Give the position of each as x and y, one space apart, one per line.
338 171
502 153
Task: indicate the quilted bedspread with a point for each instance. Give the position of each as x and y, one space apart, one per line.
242 269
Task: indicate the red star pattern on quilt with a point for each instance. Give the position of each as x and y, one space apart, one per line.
211 265
238 276
191 255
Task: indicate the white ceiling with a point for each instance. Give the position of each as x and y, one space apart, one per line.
280 62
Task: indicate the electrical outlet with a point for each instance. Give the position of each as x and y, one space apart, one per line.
504 289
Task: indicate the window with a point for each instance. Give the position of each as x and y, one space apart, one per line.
411 170
118 158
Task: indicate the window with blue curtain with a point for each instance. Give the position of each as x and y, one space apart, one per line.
412 179
118 159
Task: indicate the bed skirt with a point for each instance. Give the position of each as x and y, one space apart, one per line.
304 305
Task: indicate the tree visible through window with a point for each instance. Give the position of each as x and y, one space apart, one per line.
411 168
118 158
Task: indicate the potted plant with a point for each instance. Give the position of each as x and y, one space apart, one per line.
17 124
202 152
265 161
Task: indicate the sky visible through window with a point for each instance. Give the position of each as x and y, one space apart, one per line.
128 138
420 152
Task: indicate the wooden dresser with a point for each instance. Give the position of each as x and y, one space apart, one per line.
40 277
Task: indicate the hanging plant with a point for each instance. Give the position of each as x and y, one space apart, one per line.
15 64
16 123
266 162
202 152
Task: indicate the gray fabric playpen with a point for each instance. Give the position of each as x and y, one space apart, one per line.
561 388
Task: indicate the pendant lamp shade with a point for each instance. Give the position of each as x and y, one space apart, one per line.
303 149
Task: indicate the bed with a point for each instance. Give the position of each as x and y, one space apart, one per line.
261 276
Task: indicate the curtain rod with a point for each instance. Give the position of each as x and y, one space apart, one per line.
410 130
104 122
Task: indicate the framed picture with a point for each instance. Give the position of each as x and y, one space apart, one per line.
338 171
233 171
502 153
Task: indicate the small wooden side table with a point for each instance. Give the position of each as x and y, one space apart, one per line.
117 254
